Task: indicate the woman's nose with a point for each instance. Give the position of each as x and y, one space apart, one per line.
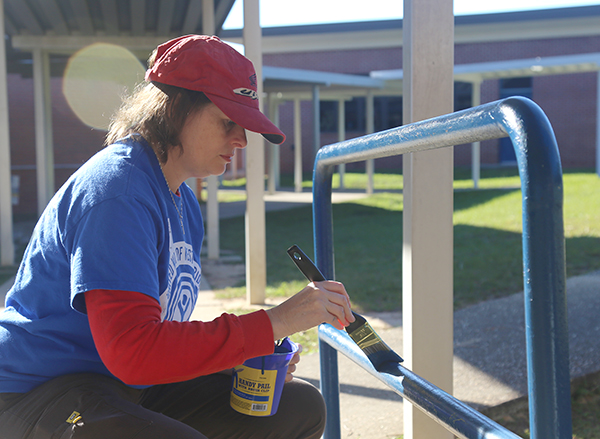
239 138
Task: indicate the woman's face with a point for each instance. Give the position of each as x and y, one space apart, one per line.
209 140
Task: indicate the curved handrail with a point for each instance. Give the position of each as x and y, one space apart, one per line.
543 242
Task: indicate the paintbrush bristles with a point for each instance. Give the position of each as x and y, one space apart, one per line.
371 344
368 340
356 324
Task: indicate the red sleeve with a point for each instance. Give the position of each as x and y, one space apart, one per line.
140 349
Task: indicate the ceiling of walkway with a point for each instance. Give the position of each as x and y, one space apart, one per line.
120 18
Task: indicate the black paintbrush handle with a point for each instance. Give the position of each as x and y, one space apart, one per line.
305 265
313 274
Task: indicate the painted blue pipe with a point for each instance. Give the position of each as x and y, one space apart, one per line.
543 243
456 416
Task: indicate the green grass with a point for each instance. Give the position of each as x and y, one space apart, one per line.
392 180
487 239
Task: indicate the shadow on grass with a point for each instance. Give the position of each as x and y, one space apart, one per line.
467 199
368 251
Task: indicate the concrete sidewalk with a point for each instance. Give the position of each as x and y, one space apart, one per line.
280 200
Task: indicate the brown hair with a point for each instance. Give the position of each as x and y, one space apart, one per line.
157 112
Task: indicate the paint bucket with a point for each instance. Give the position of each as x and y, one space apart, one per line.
257 384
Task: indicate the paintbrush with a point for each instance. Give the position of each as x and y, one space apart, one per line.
360 331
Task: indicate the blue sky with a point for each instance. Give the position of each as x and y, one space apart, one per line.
296 12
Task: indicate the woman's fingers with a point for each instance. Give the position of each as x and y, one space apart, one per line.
296 357
292 366
318 302
339 302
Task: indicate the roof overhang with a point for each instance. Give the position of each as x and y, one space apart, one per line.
109 18
477 72
289 84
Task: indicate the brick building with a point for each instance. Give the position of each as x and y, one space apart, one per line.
568 99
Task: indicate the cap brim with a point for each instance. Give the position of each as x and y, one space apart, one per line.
249 118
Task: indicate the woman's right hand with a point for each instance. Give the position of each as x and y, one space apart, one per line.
318 302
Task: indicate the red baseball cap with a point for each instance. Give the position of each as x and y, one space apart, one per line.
207 64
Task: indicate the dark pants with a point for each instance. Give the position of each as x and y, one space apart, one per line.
196 409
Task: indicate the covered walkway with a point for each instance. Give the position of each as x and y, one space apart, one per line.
476 73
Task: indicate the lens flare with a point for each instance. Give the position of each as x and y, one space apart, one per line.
97 78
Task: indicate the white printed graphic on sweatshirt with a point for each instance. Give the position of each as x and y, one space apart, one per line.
183 282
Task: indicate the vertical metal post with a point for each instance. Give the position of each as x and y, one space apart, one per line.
330 388
323 242
273 180
475 146
316 101
297 145
212 182
44 149
370 164
341 136
7 247
544 273
212 217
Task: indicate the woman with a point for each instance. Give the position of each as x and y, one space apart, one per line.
95 341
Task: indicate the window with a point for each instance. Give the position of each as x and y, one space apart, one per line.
463 95
387 114
387 110
329 114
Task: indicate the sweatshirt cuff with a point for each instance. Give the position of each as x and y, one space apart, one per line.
258 333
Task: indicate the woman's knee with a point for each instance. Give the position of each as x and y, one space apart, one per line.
304 406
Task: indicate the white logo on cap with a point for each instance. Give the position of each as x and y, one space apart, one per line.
246 92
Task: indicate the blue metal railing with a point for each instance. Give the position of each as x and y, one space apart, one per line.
543 265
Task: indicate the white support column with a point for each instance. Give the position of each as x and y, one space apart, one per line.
427 308
370 165
316 101
212 182
256 250
297 145
273 179
44 149
342 136
476 146
234 164
7 247
598 123
212 217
